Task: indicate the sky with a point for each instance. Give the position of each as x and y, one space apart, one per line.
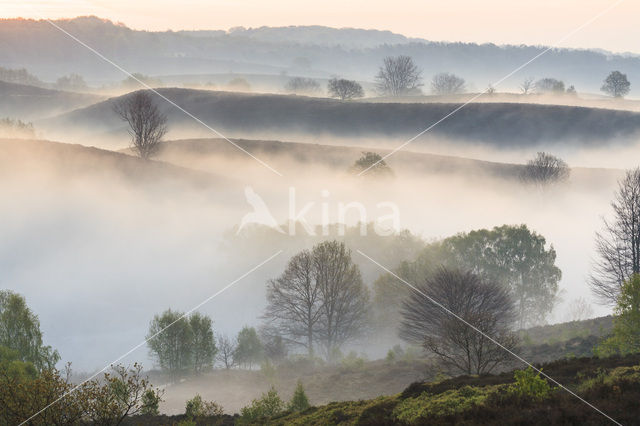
543 22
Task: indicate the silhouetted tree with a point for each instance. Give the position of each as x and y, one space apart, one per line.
344 89
484 304
618 245
545 169
147 125
398 76
372 163
203 343
302 86
170 341
616 85
447 84
527 85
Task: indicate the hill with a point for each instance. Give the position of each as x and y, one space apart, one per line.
287 117
308 51
30 102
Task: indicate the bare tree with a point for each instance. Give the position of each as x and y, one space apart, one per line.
616 85
545 169
319 300
527 85
486 305
226 350
578 310
147 125
345 298
549 85
618 246
398 76
445 83
302 86
293 301
344 89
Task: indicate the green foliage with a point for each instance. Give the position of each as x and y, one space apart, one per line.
268 406
249 349
20 331
529 385
197 407
426 406
299 401
352 362
150 403
180 344
626 322
373 164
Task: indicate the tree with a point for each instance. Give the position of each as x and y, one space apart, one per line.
147 125
545 169
249 349
226 349
618 245
398 76
344 298
299 402
578 310
447 84
73 82
170 341
319 300
616 85
344 89
203 344
549 85
268 406
373 163
527 85
275 348
626 321
302 86
293 301
484 304
20 331
515 257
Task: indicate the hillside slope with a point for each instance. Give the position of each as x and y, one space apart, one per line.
29 102
287 117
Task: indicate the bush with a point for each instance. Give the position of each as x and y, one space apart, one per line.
352 362
529 385
426 406
150 403
299 401
268 406
197 407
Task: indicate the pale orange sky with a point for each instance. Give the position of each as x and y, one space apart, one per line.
498 21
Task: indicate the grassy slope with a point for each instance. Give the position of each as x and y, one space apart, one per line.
496 124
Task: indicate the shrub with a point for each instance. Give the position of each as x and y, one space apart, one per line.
352 362
268 406
150 403
299 401
426 406
529 385
197 407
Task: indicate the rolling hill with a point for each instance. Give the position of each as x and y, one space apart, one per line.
260 116
29 102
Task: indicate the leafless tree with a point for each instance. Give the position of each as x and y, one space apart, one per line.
549 85
527 85
545 169
226 350
486 305
345 298
616 85
302 86
294 301
319 300
398 76
579 309
147 125
445 83
344 89
618 245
